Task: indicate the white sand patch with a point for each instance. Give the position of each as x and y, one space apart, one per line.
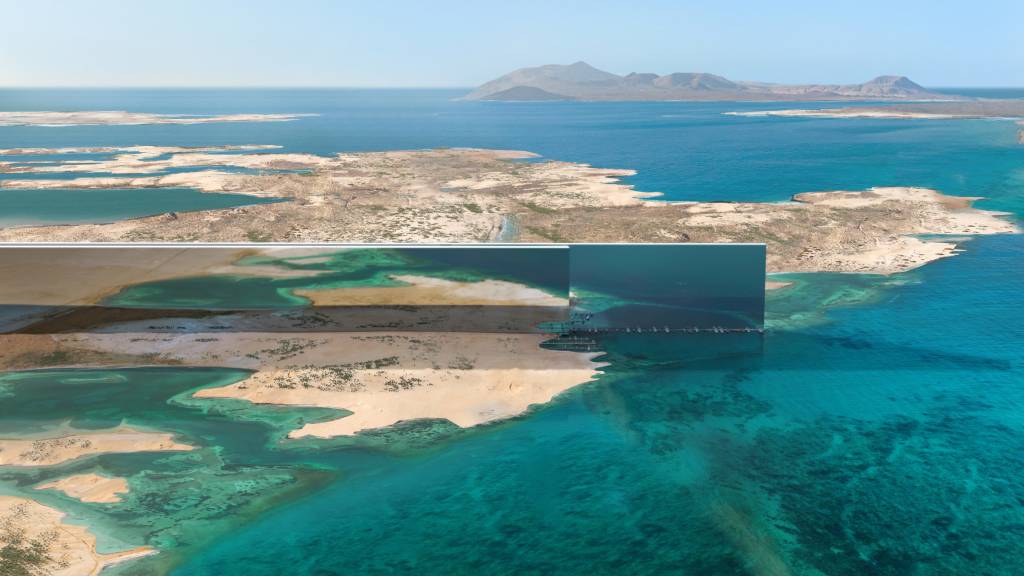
423 290
89 487
48 451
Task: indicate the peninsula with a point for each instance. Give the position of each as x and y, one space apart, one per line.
382 378
476 195
36 540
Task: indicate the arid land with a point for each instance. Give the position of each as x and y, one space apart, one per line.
472 195
382 375
455 195
36 540
51 449
382 378
385 378
33 276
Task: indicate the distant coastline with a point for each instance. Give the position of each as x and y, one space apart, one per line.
994 109
1006 109
122 118
581 81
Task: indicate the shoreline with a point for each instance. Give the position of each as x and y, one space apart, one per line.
65 549
101 273
89 487
47 450
464 195
430 291
383 378
124 118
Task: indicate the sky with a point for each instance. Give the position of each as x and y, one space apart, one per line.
451 43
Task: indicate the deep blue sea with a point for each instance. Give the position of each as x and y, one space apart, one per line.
876 428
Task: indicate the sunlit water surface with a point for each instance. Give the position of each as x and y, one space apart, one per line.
875 429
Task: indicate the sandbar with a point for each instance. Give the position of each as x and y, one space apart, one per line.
40 277
53 450
383 377
427 291
89 487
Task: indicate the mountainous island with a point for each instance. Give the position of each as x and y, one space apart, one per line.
581 81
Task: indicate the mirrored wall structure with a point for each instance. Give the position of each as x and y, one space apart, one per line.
667 287
321 288
283 288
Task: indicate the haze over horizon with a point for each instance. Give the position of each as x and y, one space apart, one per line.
463 44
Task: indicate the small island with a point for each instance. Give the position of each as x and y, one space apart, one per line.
89 487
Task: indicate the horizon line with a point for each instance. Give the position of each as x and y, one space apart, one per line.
327 86
227 86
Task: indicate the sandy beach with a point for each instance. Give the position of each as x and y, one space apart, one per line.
52 450
426 291
67 549
89 487
383 378
386 379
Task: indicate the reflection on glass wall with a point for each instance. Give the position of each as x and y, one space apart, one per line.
579 288
664 287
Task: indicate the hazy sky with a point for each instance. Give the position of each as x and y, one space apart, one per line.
465 43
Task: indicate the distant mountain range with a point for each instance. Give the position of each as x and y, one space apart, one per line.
581 81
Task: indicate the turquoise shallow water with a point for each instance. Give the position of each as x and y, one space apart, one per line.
875 429
686 150
884 442
28 207
545 269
